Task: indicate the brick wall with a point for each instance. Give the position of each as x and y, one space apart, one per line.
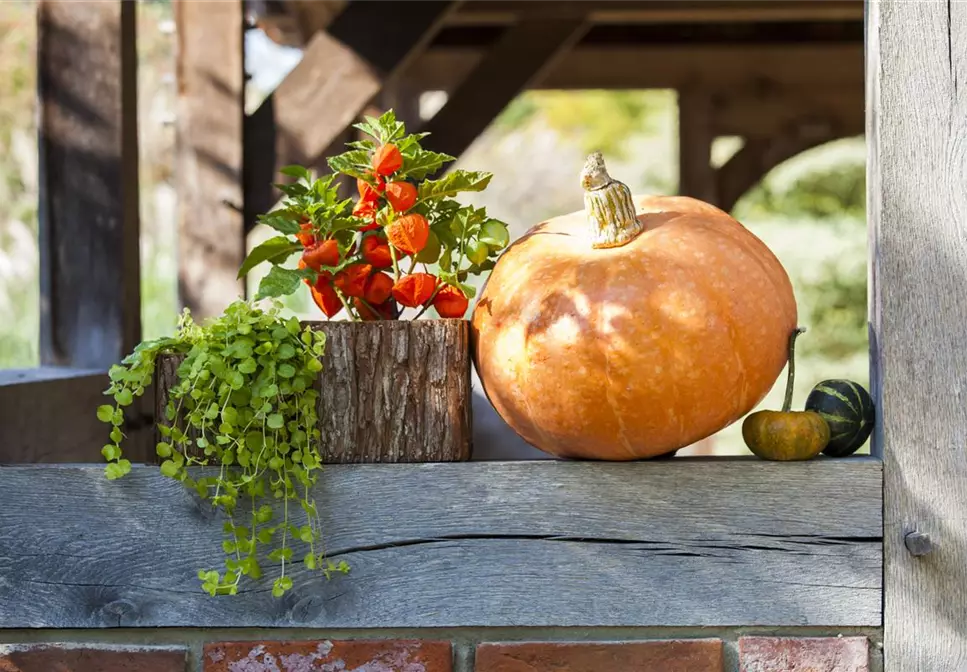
570 650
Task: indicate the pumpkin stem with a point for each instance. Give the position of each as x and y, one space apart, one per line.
790 380
610 209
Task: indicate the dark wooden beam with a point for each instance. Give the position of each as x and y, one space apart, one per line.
341 71
812 67
521 57
47 415
90 308
211 99
506 12
696 132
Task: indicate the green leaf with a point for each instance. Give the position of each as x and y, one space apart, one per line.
163 449
169 469
453 183
354 163
281 221
274 250
124 397
111 452
468 290
247 365
275 421
495 234
298 172
279 282
105 413
286 370
310 561
423 163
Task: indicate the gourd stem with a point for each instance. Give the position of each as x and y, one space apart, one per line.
791 379
608 204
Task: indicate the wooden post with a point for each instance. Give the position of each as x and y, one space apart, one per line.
916 124
696 133
211 81
90 307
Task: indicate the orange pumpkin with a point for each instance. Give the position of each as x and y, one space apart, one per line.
632 329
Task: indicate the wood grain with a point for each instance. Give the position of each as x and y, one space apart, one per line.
660 11
725 67
696 133
684 542
48 414
390 391
211 105
917 130
88 161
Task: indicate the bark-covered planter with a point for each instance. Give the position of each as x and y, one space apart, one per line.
389 391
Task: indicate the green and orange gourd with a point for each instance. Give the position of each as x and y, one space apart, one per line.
786 435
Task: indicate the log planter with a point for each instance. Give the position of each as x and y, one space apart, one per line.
390 391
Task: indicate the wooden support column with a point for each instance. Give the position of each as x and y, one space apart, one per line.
696 132
522 56
211 80
916 125
341 71
90 306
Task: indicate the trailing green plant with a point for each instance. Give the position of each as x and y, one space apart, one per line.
243 403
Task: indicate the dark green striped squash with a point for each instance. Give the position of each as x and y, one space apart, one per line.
848 410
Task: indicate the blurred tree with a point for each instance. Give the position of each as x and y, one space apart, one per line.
596 119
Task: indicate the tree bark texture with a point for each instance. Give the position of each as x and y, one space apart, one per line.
389 391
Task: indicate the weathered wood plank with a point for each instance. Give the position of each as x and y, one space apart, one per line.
389 391
211 107
522 55
545 543
917 124
88 210
47 415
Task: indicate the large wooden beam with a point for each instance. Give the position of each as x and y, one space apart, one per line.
90 307
506 12
724 67
211 99
682 542
918 217
341 70
521 57
48 415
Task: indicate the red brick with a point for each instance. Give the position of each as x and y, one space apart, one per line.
696 655
68 658
329 656
804 654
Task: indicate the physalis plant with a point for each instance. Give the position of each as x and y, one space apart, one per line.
405 242
244 405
